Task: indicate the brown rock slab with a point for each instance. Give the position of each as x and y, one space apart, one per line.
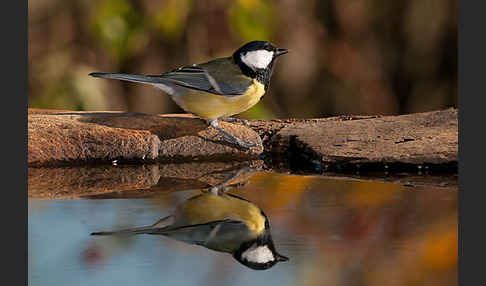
421 138
67 137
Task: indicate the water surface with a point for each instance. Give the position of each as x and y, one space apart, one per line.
334 231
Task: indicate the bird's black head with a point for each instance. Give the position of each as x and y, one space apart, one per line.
256 60
259 253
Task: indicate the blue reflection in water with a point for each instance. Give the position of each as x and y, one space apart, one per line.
336 232
61 251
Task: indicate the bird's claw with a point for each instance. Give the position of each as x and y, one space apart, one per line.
246 144
237 120
238 142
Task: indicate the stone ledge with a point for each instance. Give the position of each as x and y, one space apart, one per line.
411 141
67 137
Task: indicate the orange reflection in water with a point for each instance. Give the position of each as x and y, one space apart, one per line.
363 233
348 232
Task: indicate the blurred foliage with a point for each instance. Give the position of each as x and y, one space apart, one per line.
252 19
347 56
118 28
171 19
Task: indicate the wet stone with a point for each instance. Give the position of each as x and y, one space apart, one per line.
339 144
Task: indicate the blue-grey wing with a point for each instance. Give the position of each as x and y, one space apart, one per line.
220 76
223 234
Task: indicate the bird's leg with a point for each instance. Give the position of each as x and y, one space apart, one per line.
219 188
232 186
223 188
236 120
230 138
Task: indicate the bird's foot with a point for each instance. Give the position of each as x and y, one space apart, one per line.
233 186
236 120
224 186
226 136
236 141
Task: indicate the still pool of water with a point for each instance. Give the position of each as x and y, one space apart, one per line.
334 232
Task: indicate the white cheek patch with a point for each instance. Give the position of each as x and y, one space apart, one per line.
258 254
257 59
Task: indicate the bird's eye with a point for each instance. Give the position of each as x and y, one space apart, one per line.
267 47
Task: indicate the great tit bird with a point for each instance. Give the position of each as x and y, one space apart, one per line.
221 222
217 89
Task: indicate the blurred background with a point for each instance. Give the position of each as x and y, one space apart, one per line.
347 56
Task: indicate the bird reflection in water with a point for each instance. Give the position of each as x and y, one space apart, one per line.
219 221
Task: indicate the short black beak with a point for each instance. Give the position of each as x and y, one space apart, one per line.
280 257
280 52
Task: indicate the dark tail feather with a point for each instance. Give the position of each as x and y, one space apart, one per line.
160 224
129 231
128 77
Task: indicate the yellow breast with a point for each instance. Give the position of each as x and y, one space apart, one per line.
212 106
209 207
